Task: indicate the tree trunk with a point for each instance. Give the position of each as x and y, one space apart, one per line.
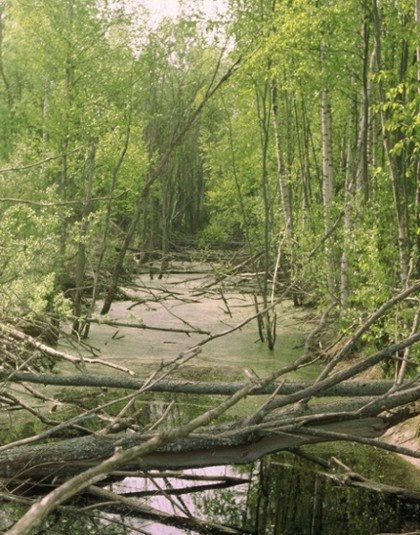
7 138
97 272
362 182
327 183
395 167
263 102
73 456
347 225
417 165
352 388
81 252
284 187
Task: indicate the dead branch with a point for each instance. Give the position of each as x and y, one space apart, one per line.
120 457
146 327
44 204
362 365
42 162
363 328
54 353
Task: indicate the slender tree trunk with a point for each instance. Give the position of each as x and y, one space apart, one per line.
263 101
64 180
4 79
362 183
417 199
97 272
304 142
347 224
327 181
284 187
81 252
167 200
395 167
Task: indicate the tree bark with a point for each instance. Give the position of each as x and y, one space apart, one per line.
215 388
81 247
73 456
284 187
327 181
361 168
396 170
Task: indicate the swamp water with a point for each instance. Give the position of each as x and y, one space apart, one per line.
283 494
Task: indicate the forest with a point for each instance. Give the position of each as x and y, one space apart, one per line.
273 143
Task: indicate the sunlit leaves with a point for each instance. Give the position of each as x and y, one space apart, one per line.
29 259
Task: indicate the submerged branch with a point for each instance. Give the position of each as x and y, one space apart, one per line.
353 479
133 325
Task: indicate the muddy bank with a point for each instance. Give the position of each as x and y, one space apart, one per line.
406 435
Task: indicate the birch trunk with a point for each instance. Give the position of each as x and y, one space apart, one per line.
284 187
348 204
362 183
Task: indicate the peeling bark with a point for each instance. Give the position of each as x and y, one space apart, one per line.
73 456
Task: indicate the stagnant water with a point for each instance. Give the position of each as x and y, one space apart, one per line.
284 494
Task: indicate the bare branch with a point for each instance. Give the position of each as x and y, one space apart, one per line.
43 204
363 328
42 162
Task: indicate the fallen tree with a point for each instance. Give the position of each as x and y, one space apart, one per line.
75 455
215 388
218 445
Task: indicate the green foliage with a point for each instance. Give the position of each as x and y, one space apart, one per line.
227 508
72 74
29 262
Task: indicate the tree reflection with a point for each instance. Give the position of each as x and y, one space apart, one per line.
289 495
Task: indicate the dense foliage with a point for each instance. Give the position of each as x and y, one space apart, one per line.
307 154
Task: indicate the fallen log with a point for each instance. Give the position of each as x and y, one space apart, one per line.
72 456
346 388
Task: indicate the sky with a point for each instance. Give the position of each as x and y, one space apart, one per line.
162 8
169 8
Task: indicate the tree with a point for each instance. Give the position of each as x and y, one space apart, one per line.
214 84
292 132
78 100
397 132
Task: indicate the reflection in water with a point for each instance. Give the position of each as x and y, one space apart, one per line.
289 497
285 495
